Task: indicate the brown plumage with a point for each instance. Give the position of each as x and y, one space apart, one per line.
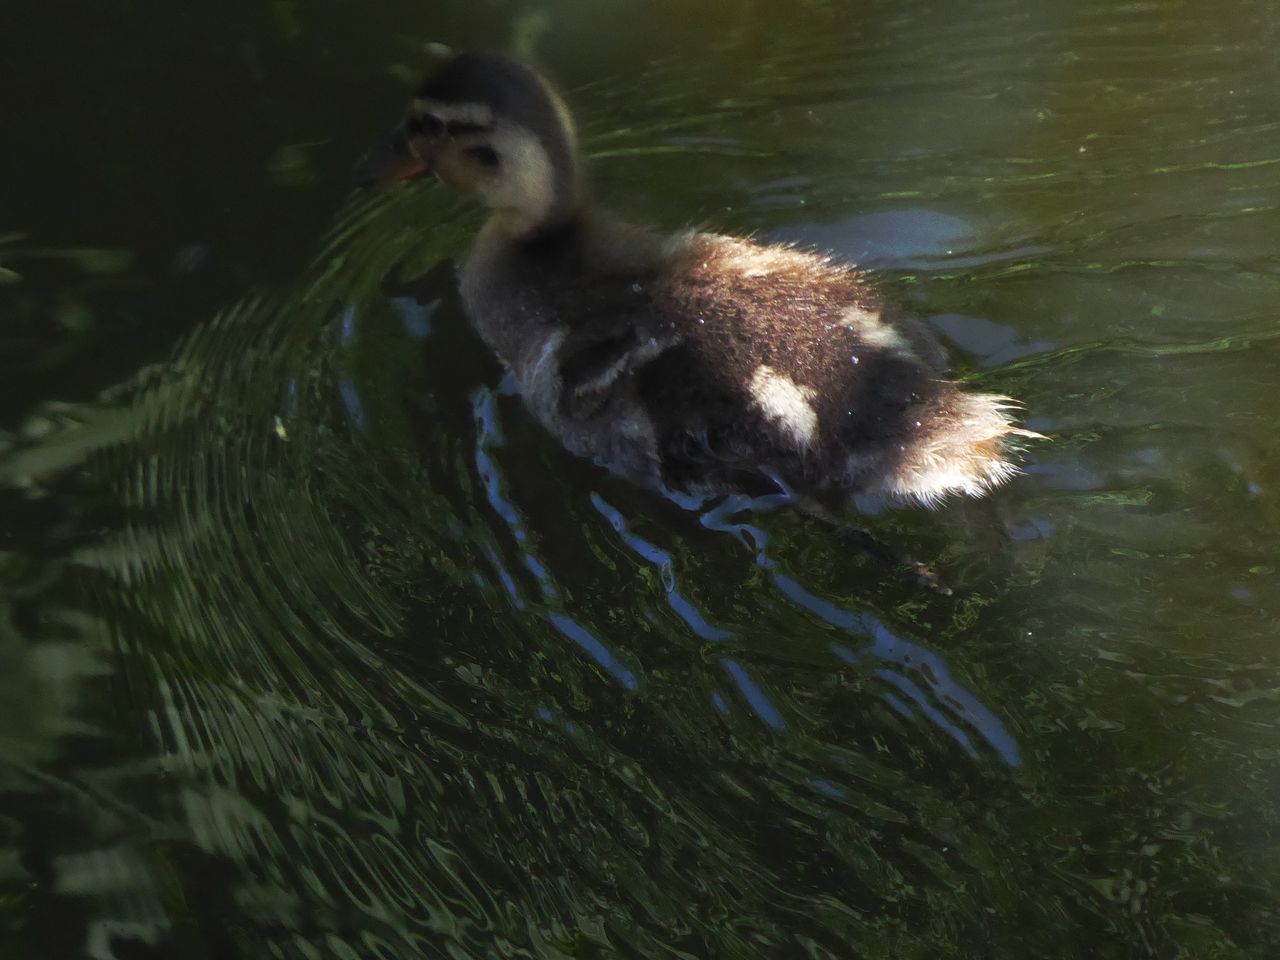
694 358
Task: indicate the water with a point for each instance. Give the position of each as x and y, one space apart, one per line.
314 645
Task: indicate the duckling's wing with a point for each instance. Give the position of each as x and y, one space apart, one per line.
591 362
596 356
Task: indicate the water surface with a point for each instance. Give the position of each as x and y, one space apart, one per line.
314 645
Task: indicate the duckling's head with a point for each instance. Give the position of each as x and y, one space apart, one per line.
492 127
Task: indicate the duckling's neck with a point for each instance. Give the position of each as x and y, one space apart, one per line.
543 193
555 211
543 189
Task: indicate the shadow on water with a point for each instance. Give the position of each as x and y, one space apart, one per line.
314 645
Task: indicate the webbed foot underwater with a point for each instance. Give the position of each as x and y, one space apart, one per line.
692 358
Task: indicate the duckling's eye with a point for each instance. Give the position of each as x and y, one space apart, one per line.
486 155
429 125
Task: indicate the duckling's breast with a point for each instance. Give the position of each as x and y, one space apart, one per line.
570 340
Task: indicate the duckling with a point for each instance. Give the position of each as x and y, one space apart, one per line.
692 358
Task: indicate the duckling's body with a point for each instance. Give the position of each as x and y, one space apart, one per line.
694 358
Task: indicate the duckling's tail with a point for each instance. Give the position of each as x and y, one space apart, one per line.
962 444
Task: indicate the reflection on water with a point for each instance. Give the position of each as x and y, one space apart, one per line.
314 645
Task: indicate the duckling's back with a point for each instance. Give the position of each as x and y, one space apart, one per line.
703 359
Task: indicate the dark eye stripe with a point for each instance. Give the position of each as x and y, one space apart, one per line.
427 124
486 155
456 127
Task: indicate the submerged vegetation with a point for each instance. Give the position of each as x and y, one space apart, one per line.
312 643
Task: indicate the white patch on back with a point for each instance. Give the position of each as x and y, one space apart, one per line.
754 260
873 331
783 400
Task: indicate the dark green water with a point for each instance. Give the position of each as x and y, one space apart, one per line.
314 646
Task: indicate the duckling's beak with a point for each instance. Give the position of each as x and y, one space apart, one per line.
391 160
